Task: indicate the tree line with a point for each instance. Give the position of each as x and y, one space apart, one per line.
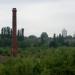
33 41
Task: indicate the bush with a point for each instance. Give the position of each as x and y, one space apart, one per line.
59 61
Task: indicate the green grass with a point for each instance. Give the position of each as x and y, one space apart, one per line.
40 61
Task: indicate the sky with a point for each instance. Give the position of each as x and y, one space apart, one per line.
37 16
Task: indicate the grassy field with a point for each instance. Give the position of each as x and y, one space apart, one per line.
38 61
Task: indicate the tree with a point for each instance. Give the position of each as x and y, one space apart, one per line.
33 40
44 38
60 40
6 37
53 42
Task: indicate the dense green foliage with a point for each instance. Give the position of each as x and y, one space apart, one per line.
33 41
37 55
40 61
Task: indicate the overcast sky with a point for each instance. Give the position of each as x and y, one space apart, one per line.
37 16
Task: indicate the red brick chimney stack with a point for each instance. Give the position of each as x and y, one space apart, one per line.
14 31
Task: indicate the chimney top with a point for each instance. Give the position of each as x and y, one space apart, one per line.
14 9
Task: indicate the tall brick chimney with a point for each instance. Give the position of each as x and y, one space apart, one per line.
14 31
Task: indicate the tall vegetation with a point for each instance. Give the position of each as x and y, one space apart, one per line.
40 61
33 41
42 55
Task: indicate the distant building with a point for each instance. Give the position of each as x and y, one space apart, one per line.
64 33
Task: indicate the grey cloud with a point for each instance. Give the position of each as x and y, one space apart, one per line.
23 1
50 17
29 1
